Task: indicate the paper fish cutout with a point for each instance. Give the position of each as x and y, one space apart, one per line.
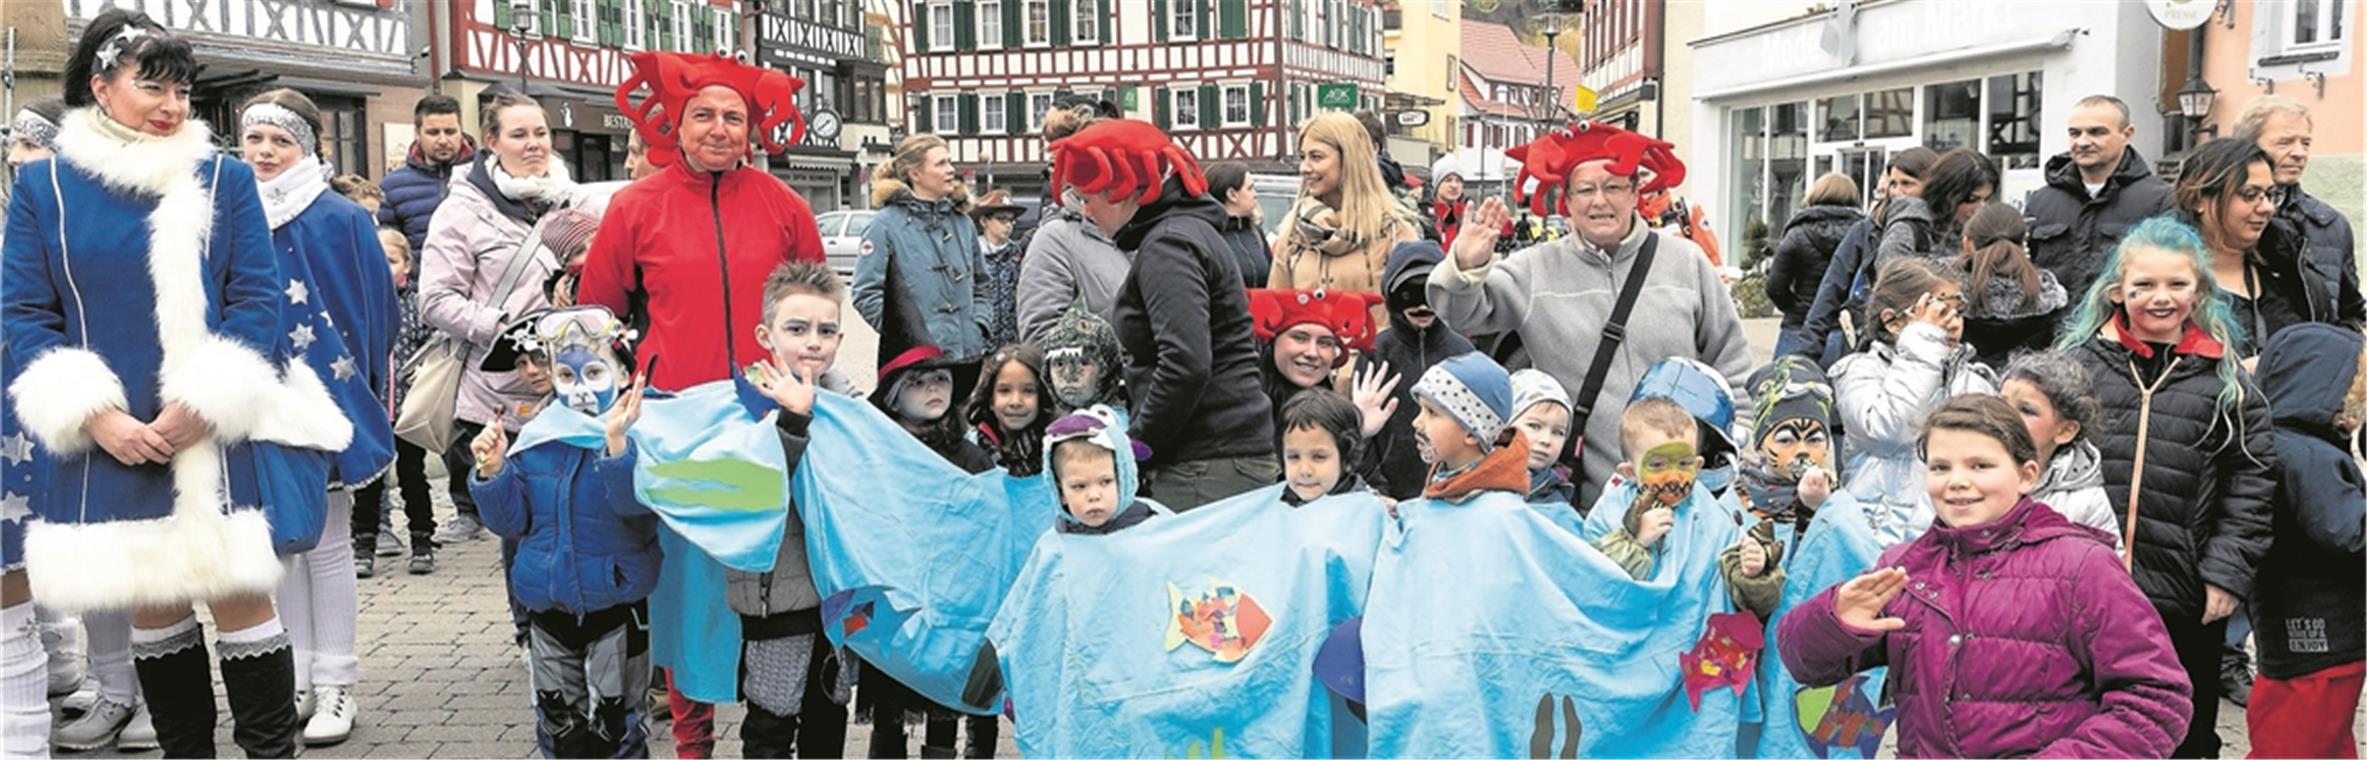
852 616
1224 621
1541 743
1726 655
1842 715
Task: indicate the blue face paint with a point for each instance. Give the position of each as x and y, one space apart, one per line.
585 380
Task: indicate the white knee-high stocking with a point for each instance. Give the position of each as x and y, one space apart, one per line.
24 685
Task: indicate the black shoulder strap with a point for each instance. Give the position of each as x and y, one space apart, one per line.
1615 332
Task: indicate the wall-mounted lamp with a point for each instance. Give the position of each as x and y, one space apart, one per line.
2227 13
2317 78
2195 99
2268 86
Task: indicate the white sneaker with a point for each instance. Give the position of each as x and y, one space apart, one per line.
95 729
65 673
333 722
79 702
139 735
304 704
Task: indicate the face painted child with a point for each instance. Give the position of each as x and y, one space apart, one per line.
924 395
1663 461
1076 378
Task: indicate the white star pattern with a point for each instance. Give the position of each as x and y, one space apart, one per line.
342 368
15 507
302 337
17 449
297 293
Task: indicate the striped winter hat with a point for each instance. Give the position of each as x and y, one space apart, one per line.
1475 390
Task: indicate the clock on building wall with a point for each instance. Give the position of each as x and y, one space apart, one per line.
824 127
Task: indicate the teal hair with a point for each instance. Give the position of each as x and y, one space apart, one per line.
2211 310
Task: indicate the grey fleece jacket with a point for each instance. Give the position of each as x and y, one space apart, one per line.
1068 256
1559 295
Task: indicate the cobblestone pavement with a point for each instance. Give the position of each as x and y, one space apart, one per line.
440 679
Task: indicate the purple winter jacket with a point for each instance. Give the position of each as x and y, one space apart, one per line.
2023 637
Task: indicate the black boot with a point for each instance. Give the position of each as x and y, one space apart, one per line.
177 679
261 681
983 729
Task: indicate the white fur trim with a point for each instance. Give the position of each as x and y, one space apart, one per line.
77 568
148 167
223 381
300 412
61 390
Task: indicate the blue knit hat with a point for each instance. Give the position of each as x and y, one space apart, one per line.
1475 390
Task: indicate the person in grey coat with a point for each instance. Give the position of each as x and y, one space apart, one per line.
925 232
1069 257
2281 126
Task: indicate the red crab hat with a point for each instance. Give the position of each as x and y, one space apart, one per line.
1551 159
1347 314
671 79
1122 157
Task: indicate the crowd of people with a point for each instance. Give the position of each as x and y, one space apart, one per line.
2064 453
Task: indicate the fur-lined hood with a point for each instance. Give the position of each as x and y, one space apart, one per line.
887 190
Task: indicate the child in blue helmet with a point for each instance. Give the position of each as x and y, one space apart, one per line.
1706 396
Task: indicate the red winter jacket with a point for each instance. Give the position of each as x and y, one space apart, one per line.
2024 637
698 245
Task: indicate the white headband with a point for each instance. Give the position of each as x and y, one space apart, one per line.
276 115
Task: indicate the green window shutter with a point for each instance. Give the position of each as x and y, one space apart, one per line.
1158 20
1159 106
501 15
1014 18
1298 21
1063 16
1200 26
920 27
965 25
1108 26
1236 19
1212 107
550 20
1257 104
1016 115
928 116
969 114
567 21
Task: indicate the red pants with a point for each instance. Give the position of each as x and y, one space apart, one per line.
2308 716
694 723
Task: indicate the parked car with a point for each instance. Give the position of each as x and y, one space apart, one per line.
1275 194
842 237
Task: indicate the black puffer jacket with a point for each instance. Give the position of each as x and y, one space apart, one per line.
1409 352
2286 291
2204 499
2326 246
1802 255
1183 321
2071 234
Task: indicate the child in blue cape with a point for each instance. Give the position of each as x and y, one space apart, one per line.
1463 421
1541 409
1320 436
1657 480
1092 464
587 551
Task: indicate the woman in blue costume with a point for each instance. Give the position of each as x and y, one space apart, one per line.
142 312
339 319
24 672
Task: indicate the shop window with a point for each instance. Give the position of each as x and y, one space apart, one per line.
1787 160
997 121
1952 115
2316 23
1838 119
2013 120
1890 113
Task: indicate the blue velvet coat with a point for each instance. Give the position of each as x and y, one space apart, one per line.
344 327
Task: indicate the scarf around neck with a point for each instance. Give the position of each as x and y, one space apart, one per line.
544 189
293 191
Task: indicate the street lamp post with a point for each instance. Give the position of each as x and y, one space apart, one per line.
521 12
1553 28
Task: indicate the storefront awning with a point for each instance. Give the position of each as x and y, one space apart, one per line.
2059 41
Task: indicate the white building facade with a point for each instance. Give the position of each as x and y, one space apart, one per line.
1778 102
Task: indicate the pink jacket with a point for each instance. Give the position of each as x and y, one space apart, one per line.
469 240
2024 637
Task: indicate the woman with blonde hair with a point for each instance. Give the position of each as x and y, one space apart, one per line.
1339 234
924 232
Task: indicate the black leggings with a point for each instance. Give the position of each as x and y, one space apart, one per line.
419 509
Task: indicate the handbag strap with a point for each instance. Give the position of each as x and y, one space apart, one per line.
515 269
1615 332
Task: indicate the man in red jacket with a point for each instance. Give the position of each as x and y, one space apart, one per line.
692 243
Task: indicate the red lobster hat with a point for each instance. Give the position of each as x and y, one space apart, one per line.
1346 313
673 78
1122 157
1551 159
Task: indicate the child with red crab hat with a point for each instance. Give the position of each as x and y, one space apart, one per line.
1182 316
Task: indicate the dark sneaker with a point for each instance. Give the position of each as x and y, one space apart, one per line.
423 561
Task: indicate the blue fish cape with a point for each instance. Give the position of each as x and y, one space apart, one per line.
911 555
712 468
1839 544
1192 635
1495 631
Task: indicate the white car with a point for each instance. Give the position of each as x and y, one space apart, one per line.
842 237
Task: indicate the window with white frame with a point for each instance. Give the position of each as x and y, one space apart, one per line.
727 31
681 17
1187 108
1087 28
1236 105
587 20
947 112
990 25
1038 17
993 119
1039 105
636 24
1186 24
2316 23
941 26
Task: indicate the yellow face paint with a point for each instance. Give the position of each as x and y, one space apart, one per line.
1666 472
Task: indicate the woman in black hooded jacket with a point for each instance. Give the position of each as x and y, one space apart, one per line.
1806 247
